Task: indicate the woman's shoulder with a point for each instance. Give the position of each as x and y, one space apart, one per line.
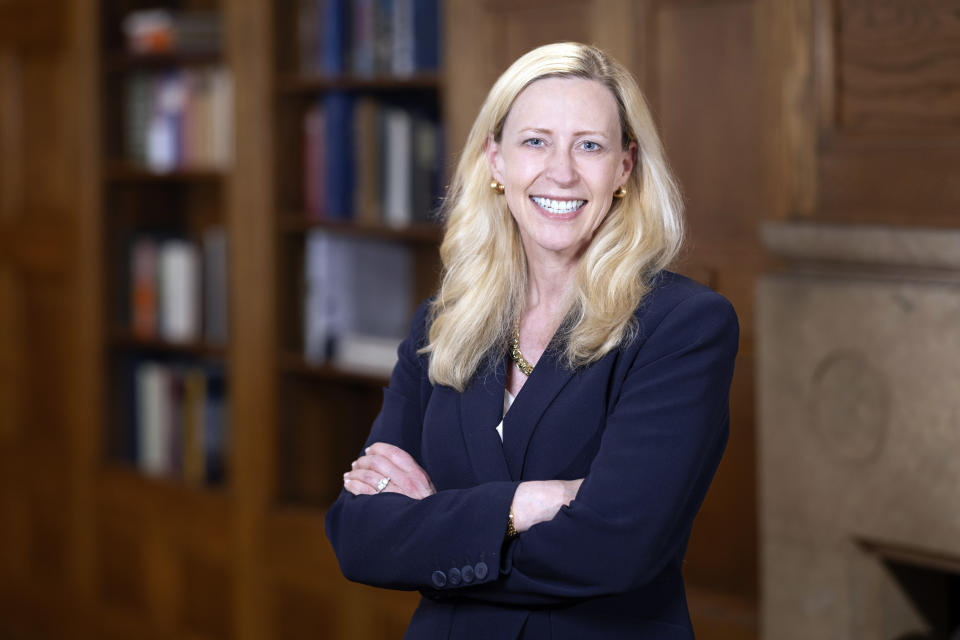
672 292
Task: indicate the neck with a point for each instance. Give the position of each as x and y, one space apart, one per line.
550 283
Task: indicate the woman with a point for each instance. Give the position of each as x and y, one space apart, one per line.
560 406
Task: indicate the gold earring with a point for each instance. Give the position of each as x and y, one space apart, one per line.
496 186
619 193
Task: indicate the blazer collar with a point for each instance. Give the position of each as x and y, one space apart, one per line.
481 409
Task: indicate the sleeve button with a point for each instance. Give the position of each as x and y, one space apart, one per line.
466 573
480 570
439 579
454 576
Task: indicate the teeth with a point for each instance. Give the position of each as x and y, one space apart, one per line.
558 206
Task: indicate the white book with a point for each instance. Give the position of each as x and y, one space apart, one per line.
397 196
367 354
221 117
153 418
316 325
179 291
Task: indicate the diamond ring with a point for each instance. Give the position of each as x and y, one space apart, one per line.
384 481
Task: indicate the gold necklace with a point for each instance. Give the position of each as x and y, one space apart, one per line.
517 357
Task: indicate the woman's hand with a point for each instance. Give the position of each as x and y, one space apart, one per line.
538 501
382 460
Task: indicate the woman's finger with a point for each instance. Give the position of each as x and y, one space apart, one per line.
356 486
400 458
374 479
415 484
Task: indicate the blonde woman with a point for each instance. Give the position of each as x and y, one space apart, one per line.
560 406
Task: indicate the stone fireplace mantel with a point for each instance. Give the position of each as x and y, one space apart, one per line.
858 385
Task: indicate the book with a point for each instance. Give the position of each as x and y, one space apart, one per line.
374 355
397 145
179 285
427 33
334 22
153 418
363 32
402 54
179 119
215 286
143 295
354 287
194 425
368 148
339 155
314 161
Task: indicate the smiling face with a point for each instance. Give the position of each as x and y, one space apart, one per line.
560 159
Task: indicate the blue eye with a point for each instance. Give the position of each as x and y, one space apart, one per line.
590 145
534 142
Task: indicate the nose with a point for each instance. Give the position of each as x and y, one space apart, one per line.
561 168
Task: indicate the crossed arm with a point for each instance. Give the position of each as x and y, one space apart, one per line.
660 448
534 501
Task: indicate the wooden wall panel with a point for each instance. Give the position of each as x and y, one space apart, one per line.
38 371
897 67
708 106
862 110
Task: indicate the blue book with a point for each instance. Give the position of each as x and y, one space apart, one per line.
426 29
339 154
334 26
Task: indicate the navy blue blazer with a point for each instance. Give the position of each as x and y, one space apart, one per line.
645 426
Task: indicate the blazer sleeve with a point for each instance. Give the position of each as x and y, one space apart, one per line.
390 540
662 444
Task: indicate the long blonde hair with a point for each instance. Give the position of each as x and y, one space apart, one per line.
484 280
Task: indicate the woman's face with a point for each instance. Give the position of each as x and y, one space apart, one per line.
560 160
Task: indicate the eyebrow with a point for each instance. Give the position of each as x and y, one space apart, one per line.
575 133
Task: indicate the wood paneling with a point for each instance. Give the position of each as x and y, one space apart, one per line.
862 110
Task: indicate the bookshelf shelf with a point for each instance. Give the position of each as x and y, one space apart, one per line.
125 171
292 363
124 62
122 339
122 482
295 84
414 233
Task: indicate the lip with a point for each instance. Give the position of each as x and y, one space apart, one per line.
558 216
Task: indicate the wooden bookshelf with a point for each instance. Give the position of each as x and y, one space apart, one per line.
326 405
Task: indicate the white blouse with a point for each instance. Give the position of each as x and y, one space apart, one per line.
507 401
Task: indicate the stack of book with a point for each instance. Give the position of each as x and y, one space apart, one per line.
178 290
369 37
369 161
180 119
357 301
180 422
155 31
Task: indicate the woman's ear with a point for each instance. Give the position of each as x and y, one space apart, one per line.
494 158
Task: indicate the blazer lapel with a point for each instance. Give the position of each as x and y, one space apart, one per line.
481 408
548 378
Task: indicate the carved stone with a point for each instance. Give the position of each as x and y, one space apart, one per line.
859 423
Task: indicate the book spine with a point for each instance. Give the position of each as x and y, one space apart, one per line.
143 270
179 291
215 286
314 161
426 41
402 54
339 154
396 184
